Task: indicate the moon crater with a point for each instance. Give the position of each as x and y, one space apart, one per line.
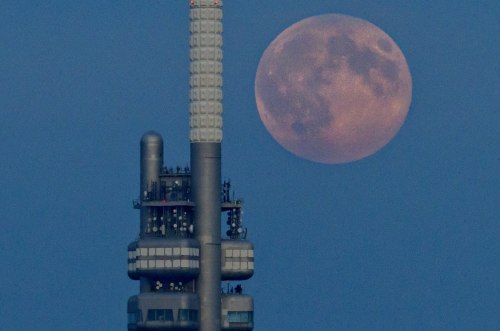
333 88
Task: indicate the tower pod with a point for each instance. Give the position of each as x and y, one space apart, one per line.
237 258
237 312
163 311
160 258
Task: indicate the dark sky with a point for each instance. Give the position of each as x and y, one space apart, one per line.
406 239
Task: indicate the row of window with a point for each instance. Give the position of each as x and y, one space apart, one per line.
239 252
187 315
184 251
188 264
160 315
162 264
164 251
183 315
231 265
240 316
190 315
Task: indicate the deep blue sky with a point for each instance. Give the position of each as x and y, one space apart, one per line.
407 239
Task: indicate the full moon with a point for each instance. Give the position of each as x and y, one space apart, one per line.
333 89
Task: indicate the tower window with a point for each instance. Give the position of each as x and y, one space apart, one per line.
188 315
240 316
160 315
135 317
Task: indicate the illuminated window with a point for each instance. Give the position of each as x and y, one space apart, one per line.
240 316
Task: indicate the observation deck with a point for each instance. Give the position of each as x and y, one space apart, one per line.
163 311
237 312
155 257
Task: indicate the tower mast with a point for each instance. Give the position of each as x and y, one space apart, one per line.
180 257
205 124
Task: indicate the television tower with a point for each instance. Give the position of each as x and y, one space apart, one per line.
180 257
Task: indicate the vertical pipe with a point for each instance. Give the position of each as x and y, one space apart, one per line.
150 168
206 176
205 136
151 163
